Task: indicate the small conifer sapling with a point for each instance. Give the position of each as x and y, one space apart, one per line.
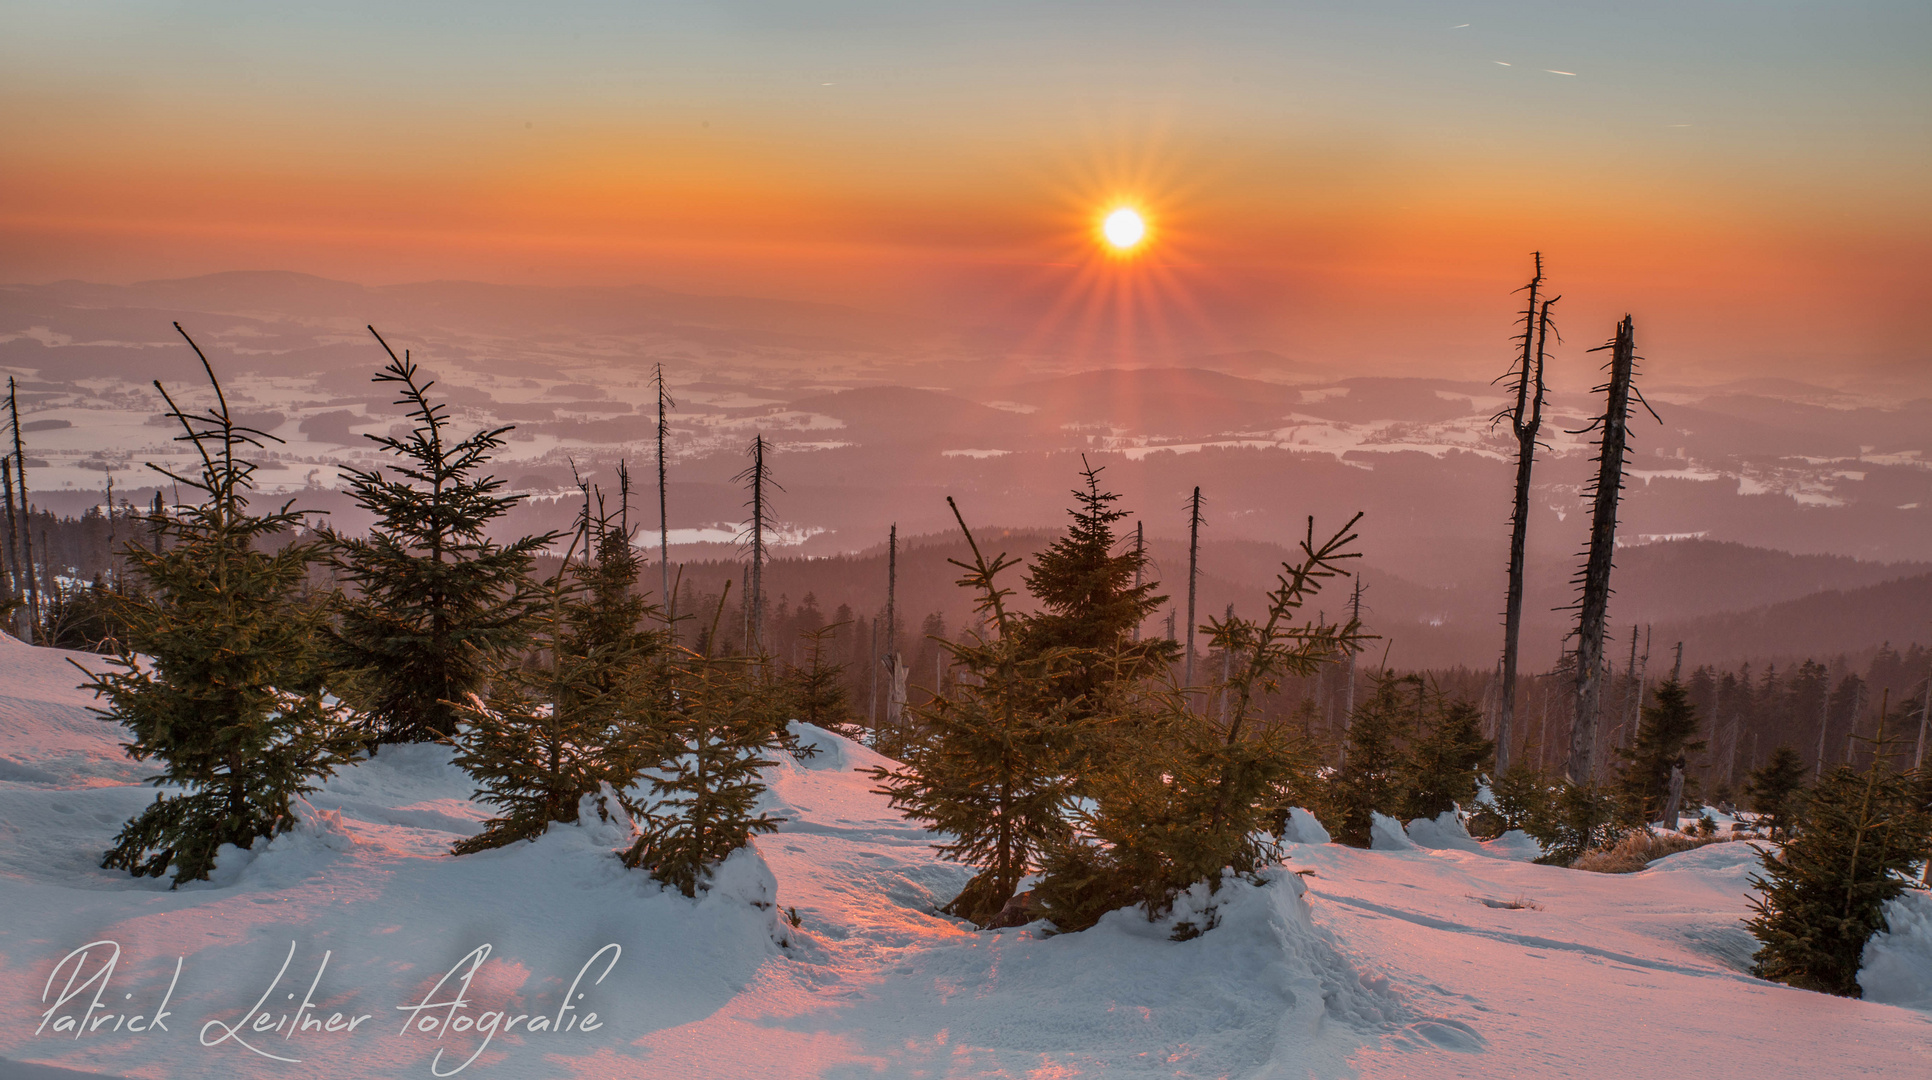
217 674
704 798
434 601
1822 895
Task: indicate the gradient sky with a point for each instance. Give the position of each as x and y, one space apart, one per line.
1355 183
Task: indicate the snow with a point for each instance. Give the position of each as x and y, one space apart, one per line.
1303 828
817 952
1897 966
1444 831
1386 834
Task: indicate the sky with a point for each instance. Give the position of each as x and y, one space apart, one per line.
1357 184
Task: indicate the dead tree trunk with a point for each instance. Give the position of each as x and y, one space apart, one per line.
758 476
26 517
1193 573
873 710
664 403
1628 722
1614 438
1925 721
1526 421
1348 689
16 579
110 571
1140 564
895 670
1824 726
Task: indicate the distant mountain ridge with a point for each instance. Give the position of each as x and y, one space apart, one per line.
1818 625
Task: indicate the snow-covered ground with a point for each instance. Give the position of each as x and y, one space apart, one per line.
1431 957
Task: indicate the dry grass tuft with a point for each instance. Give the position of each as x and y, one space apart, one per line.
1637 850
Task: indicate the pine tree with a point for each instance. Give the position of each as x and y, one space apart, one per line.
1522 798
1777 790
436 602
1183 796
1445 765
992 772
704 796
1371 779
815 692
1584 818
83 617
1824 891
1091 601
1666 733
605 616
1177 804
216 675
582 712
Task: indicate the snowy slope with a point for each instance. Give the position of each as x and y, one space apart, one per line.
1404 962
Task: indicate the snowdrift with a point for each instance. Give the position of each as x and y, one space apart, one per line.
354 946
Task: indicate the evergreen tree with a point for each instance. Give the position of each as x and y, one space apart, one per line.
1177 804
815 692
82 617
1090 602
1777 790
1371 779
1584 818
992 771
1823 893
1665 734
1521 798
605 615
435 600
703 797
1187 796
581 713
1445 765
215 674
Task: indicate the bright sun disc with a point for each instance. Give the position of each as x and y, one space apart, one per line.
1123 228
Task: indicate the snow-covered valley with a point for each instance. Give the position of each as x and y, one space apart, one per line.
818 954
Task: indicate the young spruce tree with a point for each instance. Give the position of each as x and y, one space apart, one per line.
216 673
723 731
1523 798
1583 818
577 715
815 692
1666 732
1777 790
1091 601
1823 893
435 601
1445 765
1371 779
1183 796
993 772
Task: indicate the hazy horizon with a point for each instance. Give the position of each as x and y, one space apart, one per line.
874 233
874 422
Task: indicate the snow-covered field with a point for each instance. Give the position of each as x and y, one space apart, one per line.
1436 957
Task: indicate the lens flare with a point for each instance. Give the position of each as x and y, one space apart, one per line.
1124 228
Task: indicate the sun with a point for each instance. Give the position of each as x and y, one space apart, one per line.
1124 228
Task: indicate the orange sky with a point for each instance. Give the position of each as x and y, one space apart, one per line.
1355 186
